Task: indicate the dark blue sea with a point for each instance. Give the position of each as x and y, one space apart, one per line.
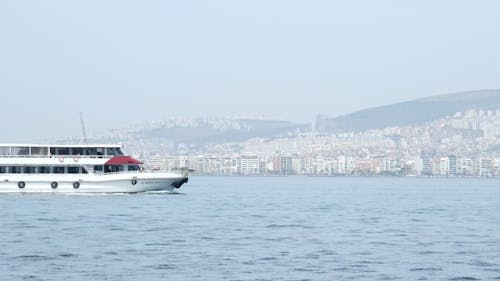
259 228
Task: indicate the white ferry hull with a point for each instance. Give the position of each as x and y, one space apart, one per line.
119 183
88 168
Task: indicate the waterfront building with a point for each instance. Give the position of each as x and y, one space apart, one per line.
285 165
341 165
418 165
485 167
248 165
426 166
465 167
452 165
444 166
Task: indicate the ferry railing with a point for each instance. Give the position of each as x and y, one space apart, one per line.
132 172
59 156
92 173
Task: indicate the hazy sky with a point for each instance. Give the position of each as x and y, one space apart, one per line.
121 62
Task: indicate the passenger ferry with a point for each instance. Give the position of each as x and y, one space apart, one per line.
78 169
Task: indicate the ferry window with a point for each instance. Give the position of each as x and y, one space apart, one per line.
30 170
77 151
92 151
99 151
73 170
58 170
4 150
44 170
83 170
24 151
98 168
3 170
39 150
119 152
111 151
15 170
20 151
116 168
63 151
53 151
107 169
133 167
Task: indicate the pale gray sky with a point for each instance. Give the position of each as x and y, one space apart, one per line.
126 61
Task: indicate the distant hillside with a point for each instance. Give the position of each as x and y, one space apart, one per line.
238 130
202 131
411 112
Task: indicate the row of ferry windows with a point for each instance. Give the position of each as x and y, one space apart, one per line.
27 151
66 169
43 170
116 168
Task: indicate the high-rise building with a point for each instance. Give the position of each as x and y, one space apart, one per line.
426 166
444 166
452 165
248 165
465 167
418 165
485 167
297 166
341 165
285 165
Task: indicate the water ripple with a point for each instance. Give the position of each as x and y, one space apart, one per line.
259 229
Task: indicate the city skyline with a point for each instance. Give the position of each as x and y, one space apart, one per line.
462 144
467 147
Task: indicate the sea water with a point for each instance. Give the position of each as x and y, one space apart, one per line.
259 228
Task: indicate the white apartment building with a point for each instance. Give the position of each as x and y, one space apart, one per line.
444 166
248 165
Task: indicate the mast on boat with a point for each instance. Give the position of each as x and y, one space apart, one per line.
83 128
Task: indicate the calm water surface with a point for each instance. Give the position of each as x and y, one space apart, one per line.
241 228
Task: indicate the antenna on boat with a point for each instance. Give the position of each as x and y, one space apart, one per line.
83 128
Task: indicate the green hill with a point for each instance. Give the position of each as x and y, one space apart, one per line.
411 112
